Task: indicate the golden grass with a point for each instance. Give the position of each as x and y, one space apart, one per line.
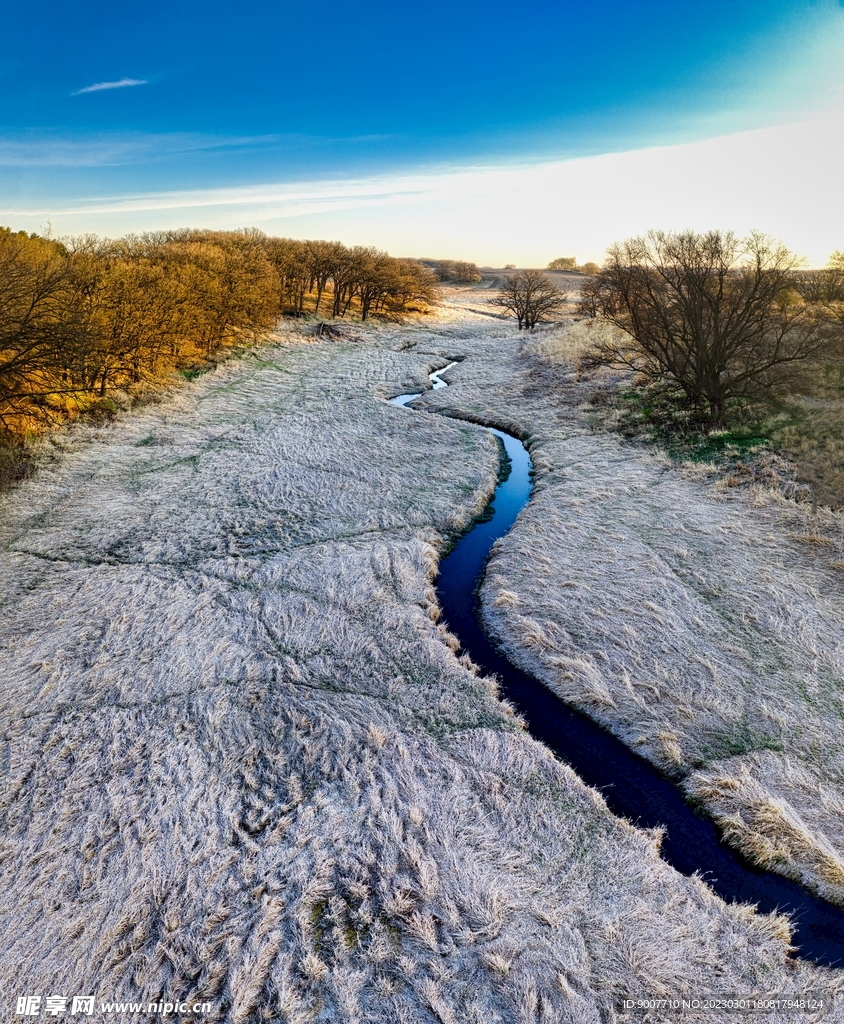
778 813
567 343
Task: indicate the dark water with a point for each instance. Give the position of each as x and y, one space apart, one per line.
632 787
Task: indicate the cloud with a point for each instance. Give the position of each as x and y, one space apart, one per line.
56 151
124 83
783 180
114 149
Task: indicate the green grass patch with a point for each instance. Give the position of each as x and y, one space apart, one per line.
805 427
664 417
744 739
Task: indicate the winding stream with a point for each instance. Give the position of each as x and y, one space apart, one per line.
631 786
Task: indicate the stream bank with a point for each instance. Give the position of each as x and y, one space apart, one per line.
631 786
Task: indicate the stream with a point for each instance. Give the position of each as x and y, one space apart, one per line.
631 786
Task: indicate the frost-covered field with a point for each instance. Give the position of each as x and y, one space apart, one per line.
703 625
243 764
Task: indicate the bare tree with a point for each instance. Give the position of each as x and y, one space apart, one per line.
563 263
319 256
717 316
530 296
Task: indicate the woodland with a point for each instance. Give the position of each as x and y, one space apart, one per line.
86 321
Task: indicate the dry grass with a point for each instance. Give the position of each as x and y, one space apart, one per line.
775 809
813 438
242 761
566 344
700 622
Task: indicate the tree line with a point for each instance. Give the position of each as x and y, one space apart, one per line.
570 263
84 318
453 271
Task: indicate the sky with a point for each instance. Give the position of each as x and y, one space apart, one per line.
500 133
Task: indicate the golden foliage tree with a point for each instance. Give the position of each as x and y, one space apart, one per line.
86 317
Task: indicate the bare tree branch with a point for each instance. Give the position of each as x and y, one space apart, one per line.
721 318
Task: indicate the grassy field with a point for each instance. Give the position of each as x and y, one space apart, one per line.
698 619
810 433
244 764
796 443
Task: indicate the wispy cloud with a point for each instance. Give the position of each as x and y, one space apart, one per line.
523 213
114 149
53 150
124 83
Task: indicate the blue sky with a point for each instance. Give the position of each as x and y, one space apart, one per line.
101 102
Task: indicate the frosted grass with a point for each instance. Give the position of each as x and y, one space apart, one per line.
243 762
